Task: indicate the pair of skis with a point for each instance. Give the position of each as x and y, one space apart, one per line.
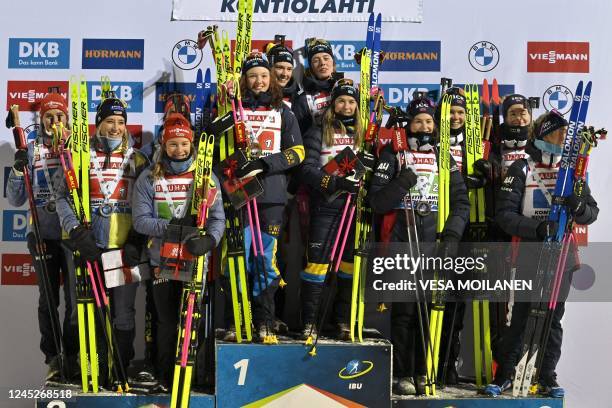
192 295
233 242
551 264
476 142
369 73
75 164
437 309
21 144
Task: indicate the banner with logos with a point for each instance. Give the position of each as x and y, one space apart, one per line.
536 48
300 10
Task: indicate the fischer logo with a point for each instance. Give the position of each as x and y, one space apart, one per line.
558 97
483 56
558 57
261 44
49 53
186 54
14 225
27 94
17 269
130 92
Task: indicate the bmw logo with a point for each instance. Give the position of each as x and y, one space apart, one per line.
31 131
355 368
483 56
558 97
186 54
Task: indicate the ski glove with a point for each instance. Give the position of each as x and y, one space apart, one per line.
547 229
577 203
200 245
252 168
84 241
346 184
482 173
407 179
367 159
186 221
449 246
21 160
131 254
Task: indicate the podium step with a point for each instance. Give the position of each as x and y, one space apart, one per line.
286 375
466 396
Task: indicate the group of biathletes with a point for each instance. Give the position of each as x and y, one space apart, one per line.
306 125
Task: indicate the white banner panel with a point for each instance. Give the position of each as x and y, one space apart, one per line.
300 10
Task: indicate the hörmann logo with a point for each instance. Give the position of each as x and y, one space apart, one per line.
399 55
558 57
28 94
39 53
109 53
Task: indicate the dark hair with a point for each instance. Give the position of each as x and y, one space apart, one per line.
275 90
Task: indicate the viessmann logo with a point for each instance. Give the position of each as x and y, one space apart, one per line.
558 57
28 94
107 53
17 269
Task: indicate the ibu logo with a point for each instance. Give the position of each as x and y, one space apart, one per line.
39 53
129 92
14 225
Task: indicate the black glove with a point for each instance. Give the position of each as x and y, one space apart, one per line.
220 125
200 245
577 203
449 246
84 241
483 167
475 181
21 160
367 159
252 168
547 229
407 179
346 184
131 254
482 173
186 221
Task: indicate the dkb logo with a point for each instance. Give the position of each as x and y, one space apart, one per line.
14 225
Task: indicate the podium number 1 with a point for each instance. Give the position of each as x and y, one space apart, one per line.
242 365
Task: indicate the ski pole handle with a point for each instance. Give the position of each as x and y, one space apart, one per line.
20 139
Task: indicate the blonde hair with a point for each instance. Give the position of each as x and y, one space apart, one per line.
330 125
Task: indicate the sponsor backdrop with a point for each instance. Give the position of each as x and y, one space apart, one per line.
539 49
